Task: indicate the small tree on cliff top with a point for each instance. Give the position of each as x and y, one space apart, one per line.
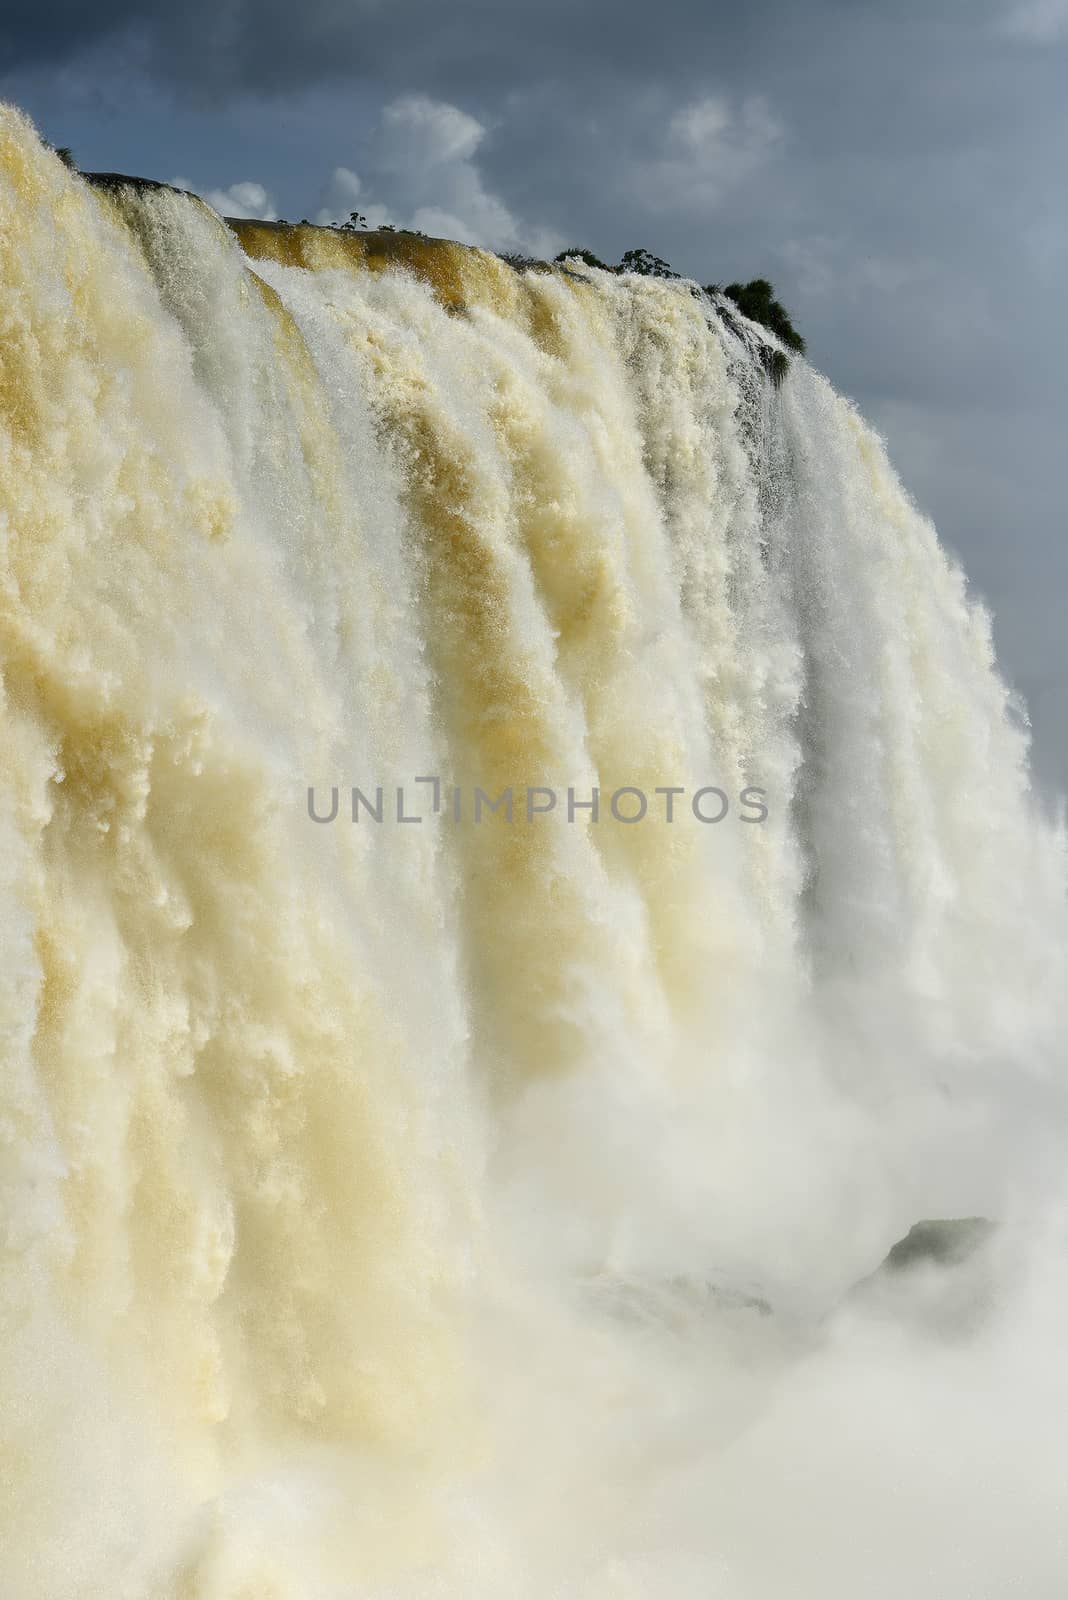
756 300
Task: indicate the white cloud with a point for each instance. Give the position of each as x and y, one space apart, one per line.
1040 21
710 148
701 127
248 199
420 160
343 193
419 171
421 134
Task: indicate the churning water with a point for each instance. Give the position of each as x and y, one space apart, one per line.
456 1210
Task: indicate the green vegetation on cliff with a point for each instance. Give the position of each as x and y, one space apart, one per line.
755 300
65 154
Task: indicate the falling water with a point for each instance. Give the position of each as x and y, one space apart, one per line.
451 1208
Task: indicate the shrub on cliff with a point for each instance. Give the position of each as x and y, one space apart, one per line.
577 253
646 264
522 263
641 261
756 300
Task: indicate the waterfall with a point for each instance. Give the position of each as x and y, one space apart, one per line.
427 1170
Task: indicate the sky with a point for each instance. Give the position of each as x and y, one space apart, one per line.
896 167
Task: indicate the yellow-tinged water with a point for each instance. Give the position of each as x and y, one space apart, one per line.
386 1205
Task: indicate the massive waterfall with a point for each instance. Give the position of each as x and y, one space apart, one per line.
472 1207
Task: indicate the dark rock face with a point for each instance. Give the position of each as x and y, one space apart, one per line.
942 1244
941 1279
122 180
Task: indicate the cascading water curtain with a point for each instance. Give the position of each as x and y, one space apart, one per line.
518 883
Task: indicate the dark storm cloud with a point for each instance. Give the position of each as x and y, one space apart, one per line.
896 166
272 45
56 31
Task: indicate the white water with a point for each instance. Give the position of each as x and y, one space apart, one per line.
384 1205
